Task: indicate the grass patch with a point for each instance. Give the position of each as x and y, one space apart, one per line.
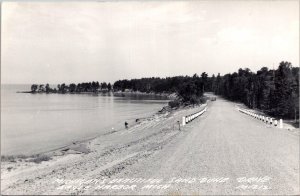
39 158
12 158
32 158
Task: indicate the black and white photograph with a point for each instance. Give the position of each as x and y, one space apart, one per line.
150 97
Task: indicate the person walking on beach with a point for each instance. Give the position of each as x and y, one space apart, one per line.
126 125
178 125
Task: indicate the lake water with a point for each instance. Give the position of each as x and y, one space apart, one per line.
34 123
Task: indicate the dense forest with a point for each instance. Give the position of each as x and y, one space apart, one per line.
275 92
189 89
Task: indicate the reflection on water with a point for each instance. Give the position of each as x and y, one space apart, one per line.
32 123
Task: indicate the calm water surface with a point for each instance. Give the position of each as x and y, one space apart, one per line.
33 123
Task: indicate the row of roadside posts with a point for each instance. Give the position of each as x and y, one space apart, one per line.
189 118
265 119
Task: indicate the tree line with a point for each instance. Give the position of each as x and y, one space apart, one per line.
72 88
275 92
188 89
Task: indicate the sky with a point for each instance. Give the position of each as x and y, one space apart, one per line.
65 42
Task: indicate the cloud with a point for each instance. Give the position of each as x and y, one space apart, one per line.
82 41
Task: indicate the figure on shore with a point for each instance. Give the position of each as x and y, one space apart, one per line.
179 125
126 125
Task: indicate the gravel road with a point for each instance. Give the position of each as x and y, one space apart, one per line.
222 152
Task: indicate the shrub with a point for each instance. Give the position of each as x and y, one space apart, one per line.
203 100
40 158
174 103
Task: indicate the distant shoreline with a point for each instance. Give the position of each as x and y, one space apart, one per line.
170 96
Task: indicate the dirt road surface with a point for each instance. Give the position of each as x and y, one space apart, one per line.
222 152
